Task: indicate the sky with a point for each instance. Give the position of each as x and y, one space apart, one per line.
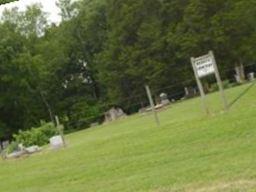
49 6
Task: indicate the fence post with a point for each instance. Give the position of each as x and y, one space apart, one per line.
152 105
60 129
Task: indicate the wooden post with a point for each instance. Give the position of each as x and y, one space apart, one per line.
152 105
218 78
60 129
200 87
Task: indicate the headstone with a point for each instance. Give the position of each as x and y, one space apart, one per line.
143 110
238 79
240 75
186 91
114 114
189 92
56 142
164 99
251 76
5 144
21 147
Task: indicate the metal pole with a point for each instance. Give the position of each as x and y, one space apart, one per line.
200 87
218 78
152 105
60 129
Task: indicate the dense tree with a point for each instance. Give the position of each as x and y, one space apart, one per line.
6 1
133 52
68 9
21 69
104 52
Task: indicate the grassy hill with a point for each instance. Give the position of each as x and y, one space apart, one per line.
189 152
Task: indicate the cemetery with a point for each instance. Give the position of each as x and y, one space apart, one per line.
127 96
187 144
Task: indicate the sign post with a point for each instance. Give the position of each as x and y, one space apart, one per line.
217 75
204 66
200 87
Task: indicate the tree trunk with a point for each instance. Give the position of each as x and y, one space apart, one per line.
47 106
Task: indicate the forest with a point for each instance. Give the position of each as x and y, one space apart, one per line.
5 1
105 51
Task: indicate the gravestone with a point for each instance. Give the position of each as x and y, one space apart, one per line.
238 79
5 144
164 99
240 75
143 110
113 114
56 142
251 76
190 92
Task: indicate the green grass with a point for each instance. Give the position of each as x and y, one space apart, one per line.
188 152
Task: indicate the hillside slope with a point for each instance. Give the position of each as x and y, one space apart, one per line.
189 152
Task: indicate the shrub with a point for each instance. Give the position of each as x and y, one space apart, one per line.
83 114
12 147
36 136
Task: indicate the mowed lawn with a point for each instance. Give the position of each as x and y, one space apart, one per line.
188 152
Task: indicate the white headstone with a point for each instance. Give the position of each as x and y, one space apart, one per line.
164 99
251 76
56 142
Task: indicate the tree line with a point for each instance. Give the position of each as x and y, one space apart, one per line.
5 1
104 51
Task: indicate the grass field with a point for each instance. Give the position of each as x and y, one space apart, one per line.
188 152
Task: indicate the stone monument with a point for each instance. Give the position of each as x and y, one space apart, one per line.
113 114
164 99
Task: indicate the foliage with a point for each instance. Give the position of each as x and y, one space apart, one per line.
105 51
36 136
14 146
6 1
83 114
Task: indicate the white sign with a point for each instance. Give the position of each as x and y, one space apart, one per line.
204 65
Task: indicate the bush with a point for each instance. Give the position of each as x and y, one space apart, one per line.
12 147
36 136
83 114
